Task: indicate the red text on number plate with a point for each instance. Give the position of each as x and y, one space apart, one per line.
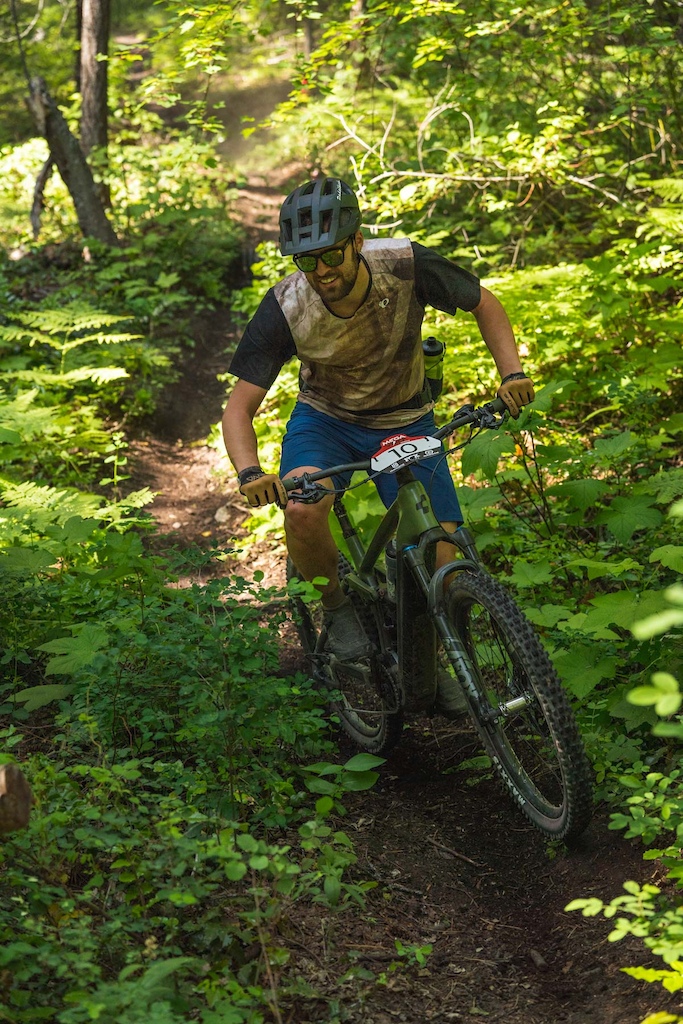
400 450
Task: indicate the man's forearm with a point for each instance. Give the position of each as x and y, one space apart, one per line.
238 425
240 441
496 330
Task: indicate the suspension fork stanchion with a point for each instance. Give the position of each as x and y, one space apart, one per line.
433 586
453 645
450 641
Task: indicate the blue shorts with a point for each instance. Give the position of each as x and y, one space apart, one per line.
313 438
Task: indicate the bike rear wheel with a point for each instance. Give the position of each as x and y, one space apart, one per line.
522 712
364 697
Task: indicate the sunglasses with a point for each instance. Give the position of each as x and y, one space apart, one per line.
331 258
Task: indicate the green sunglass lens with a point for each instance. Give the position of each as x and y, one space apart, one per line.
331 258
306 263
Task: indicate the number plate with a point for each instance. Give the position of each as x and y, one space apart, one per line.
400 450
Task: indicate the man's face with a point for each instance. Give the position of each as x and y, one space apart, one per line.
334 283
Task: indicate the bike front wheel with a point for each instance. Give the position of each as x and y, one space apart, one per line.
521 711
365 696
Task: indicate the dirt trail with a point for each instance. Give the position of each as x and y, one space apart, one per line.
457 867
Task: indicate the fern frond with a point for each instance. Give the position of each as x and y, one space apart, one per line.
28 419
40 506
69 319
97 374
670 189
668 219
99 339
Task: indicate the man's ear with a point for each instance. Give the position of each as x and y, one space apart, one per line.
358 239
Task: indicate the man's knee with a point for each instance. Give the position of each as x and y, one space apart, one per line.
305 521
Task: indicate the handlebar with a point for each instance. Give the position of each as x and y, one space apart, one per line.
480 416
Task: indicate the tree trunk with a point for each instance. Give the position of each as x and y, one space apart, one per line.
94 40
71 164
15 799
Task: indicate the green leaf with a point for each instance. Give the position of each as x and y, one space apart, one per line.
668 704
38 696
643 696
547 614
664 694
363 762
581 494
580 671
235 870
617 609
25 561
655 625
246 842
625 516
608 448
484 452
589 907
318 785
77 651
9 436
531 574
591 623
356 781
670 555
332 889
322 768
474 501
165 280
544 396
323 806
668 729
595 570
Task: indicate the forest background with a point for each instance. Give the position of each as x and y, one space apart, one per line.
539 146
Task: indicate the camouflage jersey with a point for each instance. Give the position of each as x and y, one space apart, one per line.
367 368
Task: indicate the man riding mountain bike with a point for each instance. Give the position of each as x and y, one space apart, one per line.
352 314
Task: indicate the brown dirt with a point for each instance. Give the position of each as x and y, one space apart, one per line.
456 866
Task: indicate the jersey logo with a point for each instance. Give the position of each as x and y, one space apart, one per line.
383 303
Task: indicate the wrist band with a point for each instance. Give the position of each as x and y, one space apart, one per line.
245 476
514 376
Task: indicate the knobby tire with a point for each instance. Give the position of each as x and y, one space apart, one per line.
369 715
537 749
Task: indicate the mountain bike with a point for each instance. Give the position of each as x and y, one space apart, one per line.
422 620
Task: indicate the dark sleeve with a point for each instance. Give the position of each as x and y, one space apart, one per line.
442 284
265 346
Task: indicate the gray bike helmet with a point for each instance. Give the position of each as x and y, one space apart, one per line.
319 213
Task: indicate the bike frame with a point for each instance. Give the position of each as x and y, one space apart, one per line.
419 589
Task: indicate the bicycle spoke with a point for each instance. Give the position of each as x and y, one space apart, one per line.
522 714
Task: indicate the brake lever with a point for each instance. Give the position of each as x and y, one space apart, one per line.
489 419
307 492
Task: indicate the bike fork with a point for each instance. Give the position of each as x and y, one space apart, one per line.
455 650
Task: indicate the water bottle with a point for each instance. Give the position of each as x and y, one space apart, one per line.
390 562
433 354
